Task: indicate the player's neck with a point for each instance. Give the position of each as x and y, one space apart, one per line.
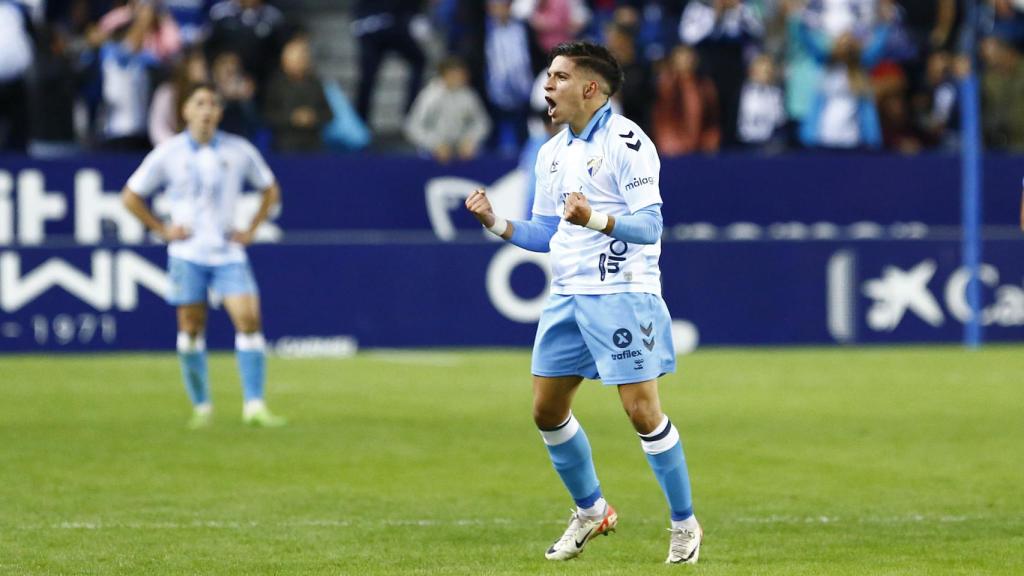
585 116
201 137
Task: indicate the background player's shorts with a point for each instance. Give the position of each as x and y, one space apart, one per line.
619 338
190 281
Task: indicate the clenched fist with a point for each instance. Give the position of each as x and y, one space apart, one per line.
577 209
480 207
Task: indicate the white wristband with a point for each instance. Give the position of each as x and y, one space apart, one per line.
499 227
598 221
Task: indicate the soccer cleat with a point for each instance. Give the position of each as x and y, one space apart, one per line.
684 547
262 418
580 531
201 418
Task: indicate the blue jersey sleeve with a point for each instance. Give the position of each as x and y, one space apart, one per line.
641 227
534 234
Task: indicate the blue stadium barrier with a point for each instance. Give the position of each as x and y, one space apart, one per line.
401 294
793 250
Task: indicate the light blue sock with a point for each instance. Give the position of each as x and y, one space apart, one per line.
570 453
249 351
192 356
665 455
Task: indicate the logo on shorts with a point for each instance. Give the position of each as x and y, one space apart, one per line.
622 338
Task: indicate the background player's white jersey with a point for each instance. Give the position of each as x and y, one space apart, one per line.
203 184
614 164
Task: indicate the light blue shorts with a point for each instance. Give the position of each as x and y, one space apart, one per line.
190 282
617 338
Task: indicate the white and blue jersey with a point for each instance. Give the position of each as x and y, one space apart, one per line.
615 165
605 317
203 184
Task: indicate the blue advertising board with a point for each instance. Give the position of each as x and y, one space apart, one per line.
402 294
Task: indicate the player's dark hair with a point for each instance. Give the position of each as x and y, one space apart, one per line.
593 57
197 86
450 63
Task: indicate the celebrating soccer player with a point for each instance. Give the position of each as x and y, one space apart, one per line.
597 209
202 171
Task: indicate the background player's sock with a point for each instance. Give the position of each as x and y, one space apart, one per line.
249 350
665 454
192 356
570 453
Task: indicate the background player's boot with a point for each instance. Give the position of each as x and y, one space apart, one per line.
261 417
580 531
202 417
684 548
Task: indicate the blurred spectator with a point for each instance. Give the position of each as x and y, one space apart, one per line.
296 108
448 119
192 17
165 119
899 133
939 105
161 36
725 33
241 115
553 21
930 23
381 27
1002 94
762 115
16 51
510 74
834 18
254 30
637 92
1005 19
53 87
125 67
843 113
685 116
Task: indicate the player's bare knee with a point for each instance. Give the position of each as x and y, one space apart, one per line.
548 417
247 325
645 416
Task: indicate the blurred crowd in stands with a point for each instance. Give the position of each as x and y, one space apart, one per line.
702 76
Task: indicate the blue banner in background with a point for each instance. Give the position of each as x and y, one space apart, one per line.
400 294
43 200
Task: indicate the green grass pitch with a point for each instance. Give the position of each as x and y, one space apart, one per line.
803 461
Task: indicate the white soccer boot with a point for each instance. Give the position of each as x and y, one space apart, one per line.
684 547
580 531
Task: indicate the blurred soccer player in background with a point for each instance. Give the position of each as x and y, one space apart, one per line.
597 209
203 171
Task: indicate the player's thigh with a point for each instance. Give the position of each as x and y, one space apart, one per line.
192 318
189 282
559 349
629 335
244 311
237 285
552 399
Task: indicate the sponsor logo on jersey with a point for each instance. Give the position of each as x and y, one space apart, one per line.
638 182
622 338
626 354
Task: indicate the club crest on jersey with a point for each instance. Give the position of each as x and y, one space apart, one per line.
554 167
594 164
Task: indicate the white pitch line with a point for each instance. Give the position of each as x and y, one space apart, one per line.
428 523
